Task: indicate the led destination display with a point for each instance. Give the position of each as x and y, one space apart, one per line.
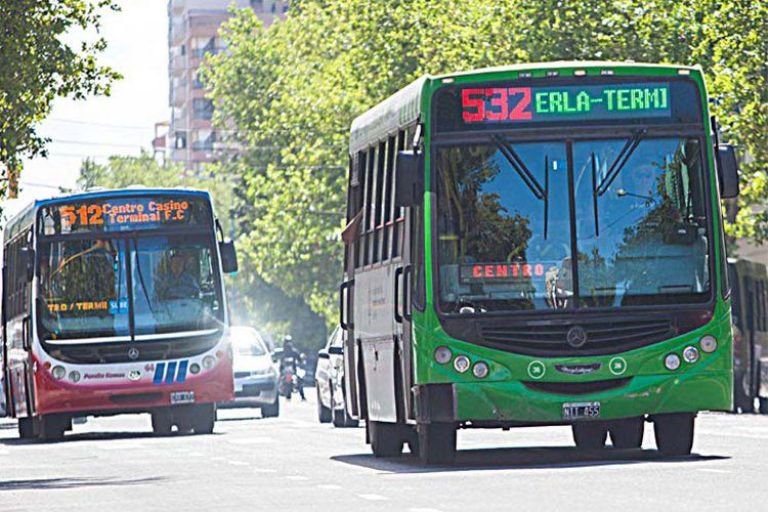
123 214
505 104
497 105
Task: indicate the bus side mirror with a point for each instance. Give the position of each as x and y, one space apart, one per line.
28 255
409 178
228 257
727 171
336 351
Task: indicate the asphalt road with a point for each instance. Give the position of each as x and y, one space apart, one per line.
294 463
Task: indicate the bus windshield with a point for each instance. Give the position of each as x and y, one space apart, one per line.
508 224
123 288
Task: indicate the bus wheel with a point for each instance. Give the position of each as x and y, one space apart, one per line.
589 436
627 434
203 418
763 404
674 433
743 401
162 421
26 428
386 440
51 427
436 443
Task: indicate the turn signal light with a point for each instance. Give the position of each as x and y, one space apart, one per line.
461 364
690 354
708 344
208 362
58 372
480 370
443 355
672 362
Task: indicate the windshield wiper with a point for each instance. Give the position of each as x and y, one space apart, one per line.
539 192
621 160
141 275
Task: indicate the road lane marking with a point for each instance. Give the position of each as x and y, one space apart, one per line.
372 497
329 487
296 478
707 470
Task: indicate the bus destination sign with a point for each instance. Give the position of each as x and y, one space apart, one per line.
491 105
123 214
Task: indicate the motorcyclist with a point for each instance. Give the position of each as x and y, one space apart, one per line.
288 366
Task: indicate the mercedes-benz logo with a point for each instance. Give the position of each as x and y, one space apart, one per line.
576 336
133 353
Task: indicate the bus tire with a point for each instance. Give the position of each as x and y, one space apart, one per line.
162 421
26 428
589 435
386 440
51 427
323 412
271 410
341 418
203 418
436 443
763 404
674 433
627 434
742 400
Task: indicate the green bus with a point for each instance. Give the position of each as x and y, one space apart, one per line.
538 244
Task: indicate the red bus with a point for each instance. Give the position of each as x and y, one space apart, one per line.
113 302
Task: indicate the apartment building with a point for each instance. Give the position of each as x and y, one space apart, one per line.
193 33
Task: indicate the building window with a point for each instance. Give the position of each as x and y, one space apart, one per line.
202 108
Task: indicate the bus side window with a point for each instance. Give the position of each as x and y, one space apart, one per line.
398 212
388 201
367 238
381 156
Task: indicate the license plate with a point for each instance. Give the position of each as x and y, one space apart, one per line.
579 410
182 397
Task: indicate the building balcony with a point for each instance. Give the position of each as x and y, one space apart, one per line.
178 64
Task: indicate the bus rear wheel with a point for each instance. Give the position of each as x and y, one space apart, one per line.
589 436
51 427
627 434
436 443
674 433
386 439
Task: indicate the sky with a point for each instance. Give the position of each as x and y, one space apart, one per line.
122 123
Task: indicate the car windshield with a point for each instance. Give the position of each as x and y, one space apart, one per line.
506 236
250 348
84 286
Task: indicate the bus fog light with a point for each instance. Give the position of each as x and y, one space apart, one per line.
208 362
672 362
480 370
194 368
443 355
461 364
690 354
58 372
708 344
74 376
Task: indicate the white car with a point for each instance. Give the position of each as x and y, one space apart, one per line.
255 373
329 382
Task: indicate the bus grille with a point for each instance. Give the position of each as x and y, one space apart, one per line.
577 388
602 338
118 353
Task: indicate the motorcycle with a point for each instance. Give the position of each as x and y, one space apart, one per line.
287 379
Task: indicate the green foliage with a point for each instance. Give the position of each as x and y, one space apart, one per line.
291 92
38 64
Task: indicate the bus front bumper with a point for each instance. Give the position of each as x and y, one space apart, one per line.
515 403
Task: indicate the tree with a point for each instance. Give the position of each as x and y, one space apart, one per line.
291 92
38 64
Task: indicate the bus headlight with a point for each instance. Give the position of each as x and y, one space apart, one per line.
690 354
672 362
480 370
194 368
74 376
443 355
208 362
461 364
58 372
708 344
